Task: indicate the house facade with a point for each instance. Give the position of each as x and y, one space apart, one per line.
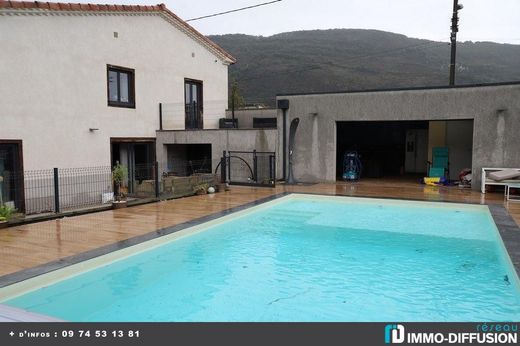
76 77
82 84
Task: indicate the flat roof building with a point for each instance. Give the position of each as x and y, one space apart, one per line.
396 130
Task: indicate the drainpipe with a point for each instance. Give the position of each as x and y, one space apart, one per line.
292 134
284 106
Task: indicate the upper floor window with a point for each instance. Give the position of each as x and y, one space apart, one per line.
121 89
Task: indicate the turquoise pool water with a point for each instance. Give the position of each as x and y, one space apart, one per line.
307 259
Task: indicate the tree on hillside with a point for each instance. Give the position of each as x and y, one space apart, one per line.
236 100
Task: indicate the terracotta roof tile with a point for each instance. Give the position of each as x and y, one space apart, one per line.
61 6
54 6
30 5
15 4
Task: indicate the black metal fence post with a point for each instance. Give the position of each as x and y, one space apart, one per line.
255 167
272 169
223 168
56 191
160 117
228 165
156 177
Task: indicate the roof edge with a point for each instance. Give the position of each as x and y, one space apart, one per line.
30 6
439 87
231 58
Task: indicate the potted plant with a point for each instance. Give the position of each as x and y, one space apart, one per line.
119 174
5 214
200 189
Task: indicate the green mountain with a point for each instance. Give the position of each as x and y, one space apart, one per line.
350 59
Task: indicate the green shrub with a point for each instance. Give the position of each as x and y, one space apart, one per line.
119 174
5 212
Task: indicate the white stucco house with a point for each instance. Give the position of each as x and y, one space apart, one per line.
81 84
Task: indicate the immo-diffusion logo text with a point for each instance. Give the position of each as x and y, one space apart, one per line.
500 333
394 334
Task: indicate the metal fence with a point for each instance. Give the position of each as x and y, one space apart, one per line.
30 191
56 190
249 168
80 188
61 190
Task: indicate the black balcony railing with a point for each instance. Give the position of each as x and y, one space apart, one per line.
181 116
193 119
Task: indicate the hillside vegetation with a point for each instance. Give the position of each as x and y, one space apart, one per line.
352 59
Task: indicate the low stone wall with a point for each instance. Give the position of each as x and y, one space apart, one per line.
176 187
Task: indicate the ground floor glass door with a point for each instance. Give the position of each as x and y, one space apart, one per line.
139 158
11 175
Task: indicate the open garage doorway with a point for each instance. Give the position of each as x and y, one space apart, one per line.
403 149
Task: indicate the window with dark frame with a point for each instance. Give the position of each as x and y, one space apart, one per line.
121 88
193 104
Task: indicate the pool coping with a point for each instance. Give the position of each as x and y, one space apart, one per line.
508 229
509 232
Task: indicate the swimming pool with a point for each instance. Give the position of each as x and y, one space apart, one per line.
301 258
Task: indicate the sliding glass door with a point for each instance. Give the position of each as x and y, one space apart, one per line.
11 174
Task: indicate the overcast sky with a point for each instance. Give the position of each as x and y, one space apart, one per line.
480 20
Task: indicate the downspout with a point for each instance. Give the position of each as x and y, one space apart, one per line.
292 134
284 111
284 106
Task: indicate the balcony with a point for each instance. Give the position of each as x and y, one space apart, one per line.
213 115
193 116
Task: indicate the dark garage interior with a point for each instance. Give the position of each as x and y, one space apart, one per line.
382 146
